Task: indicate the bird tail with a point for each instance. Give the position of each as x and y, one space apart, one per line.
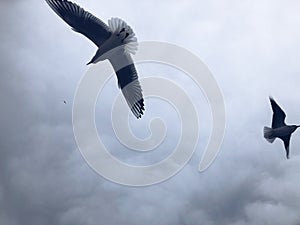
268 134
117 25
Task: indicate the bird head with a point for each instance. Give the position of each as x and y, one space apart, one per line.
295 127
104 52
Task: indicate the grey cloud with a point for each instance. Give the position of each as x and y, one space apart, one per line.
251 48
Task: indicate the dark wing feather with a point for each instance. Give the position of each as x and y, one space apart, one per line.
128 82
278 115
286 141
81 21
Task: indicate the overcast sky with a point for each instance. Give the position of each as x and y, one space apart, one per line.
251 47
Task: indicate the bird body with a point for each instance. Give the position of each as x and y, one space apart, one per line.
279 128
116 42
121 42
284 131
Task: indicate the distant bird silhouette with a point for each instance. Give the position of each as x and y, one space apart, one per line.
279 128
116 34
65 102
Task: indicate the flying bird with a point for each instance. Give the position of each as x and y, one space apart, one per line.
116 42
279 128
65 102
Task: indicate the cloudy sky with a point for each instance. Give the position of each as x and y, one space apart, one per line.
251 47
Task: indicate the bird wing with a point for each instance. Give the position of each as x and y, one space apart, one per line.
81 21
278 115
128 82
286 141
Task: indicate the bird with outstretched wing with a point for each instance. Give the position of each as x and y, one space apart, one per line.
116 42
279 129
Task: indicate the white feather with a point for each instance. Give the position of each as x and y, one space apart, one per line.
268 134
116 25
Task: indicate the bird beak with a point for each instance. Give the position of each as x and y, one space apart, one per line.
90 62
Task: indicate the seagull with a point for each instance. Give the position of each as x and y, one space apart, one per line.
279 128
116 42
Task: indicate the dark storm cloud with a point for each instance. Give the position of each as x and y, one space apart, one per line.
252 53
